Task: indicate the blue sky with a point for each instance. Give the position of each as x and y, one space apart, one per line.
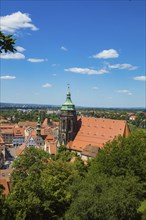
98 47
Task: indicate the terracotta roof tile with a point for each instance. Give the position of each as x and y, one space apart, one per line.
20 149
1 140
45 123
32 124
53 148
5 183
5 180
49 137
7 126
90 150
97 132
19 132
7 131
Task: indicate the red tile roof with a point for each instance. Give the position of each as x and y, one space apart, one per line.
7 126
45 123
32 124
20 149
49 137
97 131
51 147
45 131
5 183
7 131
19 132
1 140
5 180
90 150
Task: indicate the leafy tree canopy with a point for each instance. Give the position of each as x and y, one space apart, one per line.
115 185
7 43
41 185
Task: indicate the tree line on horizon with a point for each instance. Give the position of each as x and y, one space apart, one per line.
16 116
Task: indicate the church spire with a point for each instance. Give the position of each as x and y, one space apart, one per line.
68 105
38 129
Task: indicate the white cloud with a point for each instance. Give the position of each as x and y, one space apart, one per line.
124 91
63 48
34 60
16 55
7 77
106 54
11 23
20 49
47 85
140 78
95 88
123 66
86 71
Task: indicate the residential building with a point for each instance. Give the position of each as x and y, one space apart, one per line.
19 137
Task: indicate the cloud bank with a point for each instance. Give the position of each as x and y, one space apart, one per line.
15 21
106 54
16 56
35 60
123 66
140 78
7 77
86 71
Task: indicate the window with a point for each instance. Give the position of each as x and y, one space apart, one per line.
63 124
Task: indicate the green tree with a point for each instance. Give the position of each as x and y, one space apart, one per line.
41 186
7 43
5 211
123 156
31 163
116 182
108 198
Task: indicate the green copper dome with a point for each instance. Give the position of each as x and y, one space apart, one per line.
68 105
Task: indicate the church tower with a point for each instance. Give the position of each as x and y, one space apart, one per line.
38 128
68 121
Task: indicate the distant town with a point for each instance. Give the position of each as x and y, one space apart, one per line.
23 125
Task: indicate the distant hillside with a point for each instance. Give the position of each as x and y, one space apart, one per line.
45 106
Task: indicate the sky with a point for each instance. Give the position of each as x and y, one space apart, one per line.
97 47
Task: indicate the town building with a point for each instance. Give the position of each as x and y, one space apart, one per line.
18 137
86 135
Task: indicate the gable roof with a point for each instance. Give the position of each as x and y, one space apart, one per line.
32 124
5 183
19 132
20 149
1 140
7 131
5 180
51 147
97 132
